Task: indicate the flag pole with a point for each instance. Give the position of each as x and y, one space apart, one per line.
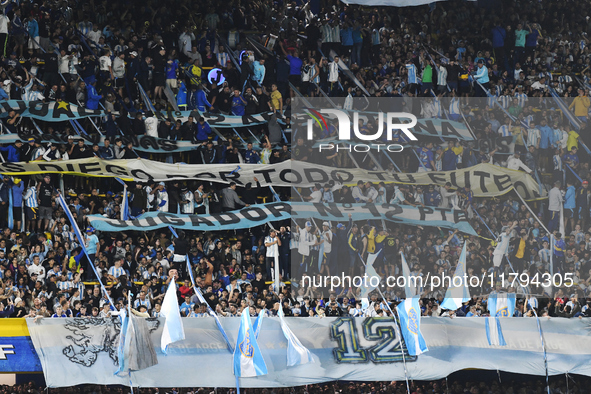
81 240
396 326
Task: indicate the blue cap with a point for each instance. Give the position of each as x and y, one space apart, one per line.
308 224
89 229
109 193
340 225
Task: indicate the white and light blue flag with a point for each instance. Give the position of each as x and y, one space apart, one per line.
499 305
409 313
173 325
248 359
410 286
258 323
494 334
458 292
370 273
296 352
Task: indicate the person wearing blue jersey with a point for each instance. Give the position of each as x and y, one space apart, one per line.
171 71
569 206
412 77
426 158
238 103
92 242
181 96
546 143
250 156
449 159
482 78
17 186
203 130
201 100
14 152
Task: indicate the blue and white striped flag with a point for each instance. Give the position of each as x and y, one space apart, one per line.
10 210
173 325
296 352
409 313
494 335
370 272
122 342
410 286
457 293
248 359
258 323
501 304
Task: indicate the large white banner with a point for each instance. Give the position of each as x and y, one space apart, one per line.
486 180
76 351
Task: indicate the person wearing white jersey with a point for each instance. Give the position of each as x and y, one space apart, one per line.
272 243
3 34
554 206
333 73
187 201
161 198
441 78
514 163
151 123
503 245
106 65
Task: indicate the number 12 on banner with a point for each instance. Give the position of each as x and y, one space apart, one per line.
375 329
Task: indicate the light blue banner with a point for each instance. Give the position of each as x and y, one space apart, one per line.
49 112
259 214
252 216
63 111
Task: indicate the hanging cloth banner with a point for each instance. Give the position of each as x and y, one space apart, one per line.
49 112
485 180
63 111
256 215
142 143
75 351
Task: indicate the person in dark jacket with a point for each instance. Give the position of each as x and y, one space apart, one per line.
174 197
250 193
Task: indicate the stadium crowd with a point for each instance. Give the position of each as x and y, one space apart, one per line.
455 51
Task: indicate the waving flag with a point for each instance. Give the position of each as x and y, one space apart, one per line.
499 305
410 287
10 210
494 335
258 323
370 272
122 342
409 313
248 359
80 238
296 352
211 311
135 351
458 292
173 325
